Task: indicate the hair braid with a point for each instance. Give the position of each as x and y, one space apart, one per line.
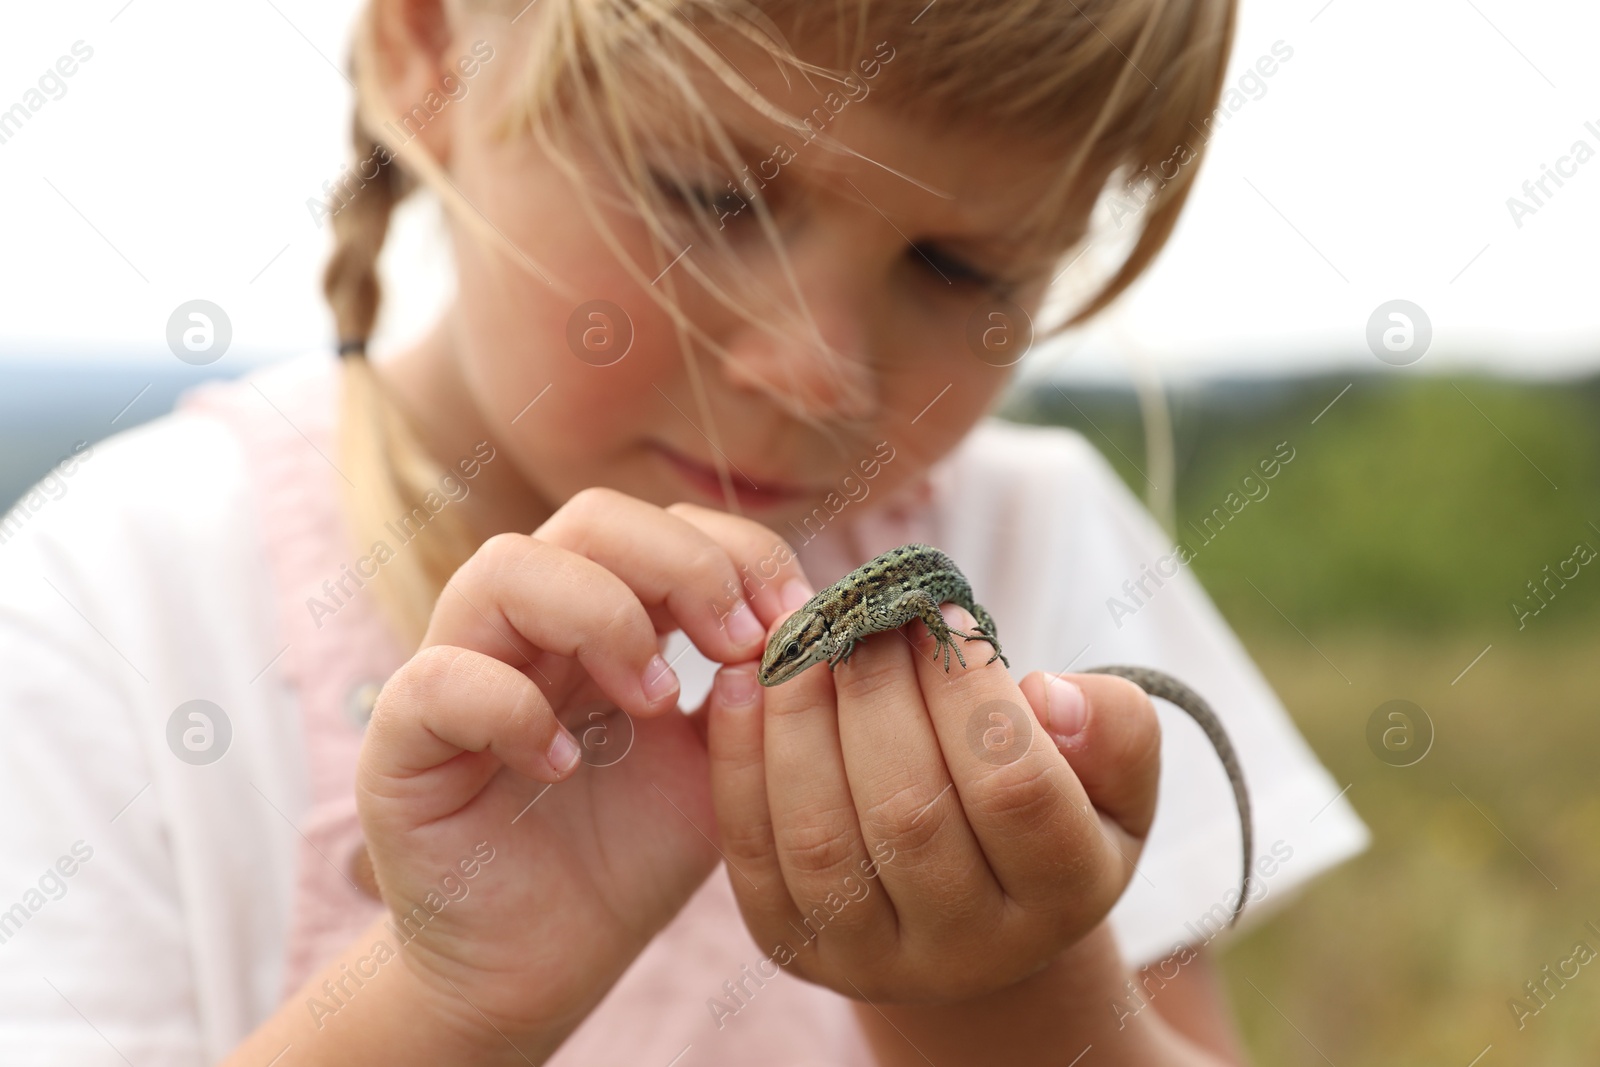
394 475
360 225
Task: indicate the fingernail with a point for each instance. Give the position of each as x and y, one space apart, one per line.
737 687
743 626
795 594
659 680
563 754
1065 708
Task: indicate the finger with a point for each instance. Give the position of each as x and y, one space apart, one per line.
816 821
932 869
734 748
1031 817
765 562
445 702
1107 729
672 565
519 596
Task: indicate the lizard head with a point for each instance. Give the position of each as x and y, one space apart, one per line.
801 641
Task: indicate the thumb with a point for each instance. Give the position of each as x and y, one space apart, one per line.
1107 729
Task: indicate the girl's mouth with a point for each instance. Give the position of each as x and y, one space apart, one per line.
703 479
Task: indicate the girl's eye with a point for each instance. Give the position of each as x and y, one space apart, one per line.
722 204
954 270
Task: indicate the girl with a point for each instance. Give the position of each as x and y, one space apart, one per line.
345 700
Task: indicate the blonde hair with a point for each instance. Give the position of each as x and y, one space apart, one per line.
1120 85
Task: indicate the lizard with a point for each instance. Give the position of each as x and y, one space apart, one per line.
911 582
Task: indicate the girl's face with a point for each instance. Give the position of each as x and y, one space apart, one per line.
894 276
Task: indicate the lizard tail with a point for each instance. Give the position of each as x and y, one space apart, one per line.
1159 684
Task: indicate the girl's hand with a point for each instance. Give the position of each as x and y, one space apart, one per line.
902 834
531 633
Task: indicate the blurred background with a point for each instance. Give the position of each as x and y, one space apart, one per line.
1438 161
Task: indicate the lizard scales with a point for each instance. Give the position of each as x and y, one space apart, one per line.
910 582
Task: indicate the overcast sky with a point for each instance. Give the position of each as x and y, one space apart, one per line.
1374 164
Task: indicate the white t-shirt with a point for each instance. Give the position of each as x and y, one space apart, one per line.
143 909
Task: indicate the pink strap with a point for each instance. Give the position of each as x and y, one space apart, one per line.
337 646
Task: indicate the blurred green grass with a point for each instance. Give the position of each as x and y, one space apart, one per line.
1391 548
1482 869
1422 504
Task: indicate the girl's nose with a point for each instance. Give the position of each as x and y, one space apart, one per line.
822 368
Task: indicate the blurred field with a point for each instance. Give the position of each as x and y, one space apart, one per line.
1409 953
1391 548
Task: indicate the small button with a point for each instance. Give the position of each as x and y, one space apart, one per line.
361 873
359 704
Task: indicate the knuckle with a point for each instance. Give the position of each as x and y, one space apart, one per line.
737 525
421 681
691 513
865 677
1019 795
506 543
432 671
821 845
623 618
767 545
709 562
907 818
748 839
784 704
772 549
591 501
500 551
753 540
